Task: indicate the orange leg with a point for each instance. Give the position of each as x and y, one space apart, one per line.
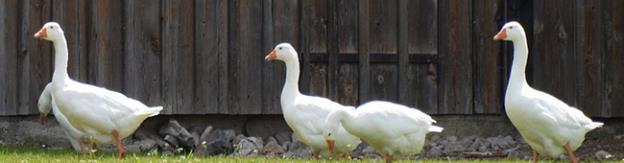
82 147
571 155
120 147
388 158
535 157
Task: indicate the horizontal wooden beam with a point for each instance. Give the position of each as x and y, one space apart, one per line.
414 58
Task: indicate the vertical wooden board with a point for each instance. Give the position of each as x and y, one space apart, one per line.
383 26
142 74
422 81
363 50
318 80
36 53
422 26
455 93
8 56
347 22
206 58
315 21
223 23
614 59
75 16
554 57
348 84
589 56
402 51
108 53
177 56
383 82
246 57
487 58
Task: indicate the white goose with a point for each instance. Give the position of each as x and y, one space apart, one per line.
550 126
304 114
100 114
393 130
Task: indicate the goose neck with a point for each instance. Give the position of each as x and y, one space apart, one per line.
60 61
291 86
517 79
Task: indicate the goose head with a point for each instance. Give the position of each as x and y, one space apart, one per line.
43 112
511 31
283 52
51 31
329 138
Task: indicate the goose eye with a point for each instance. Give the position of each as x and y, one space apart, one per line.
51 27
511 27
280 48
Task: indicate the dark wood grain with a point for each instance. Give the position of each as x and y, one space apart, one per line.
177 57
206 92
106 68
455 68
487 58
143 46
10 53
614 30
589 58
363 49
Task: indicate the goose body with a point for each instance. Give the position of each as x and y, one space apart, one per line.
550 126
393 130
305 114
97 113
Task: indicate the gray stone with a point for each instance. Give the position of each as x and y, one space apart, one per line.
364 151
174 129
171 140
196 132
602 154
298 149
248 147
282 137
238 138
216 142
272 148
204 134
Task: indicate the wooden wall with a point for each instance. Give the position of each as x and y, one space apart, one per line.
207 56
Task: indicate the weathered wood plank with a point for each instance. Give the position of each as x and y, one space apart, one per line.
455 68
107 64
363 49
346 23
246 44
142 60
423 84
347 80
8 59
589 30
313 16
422 37
222 22
318 80
487 58
177 56
33 63
613 12
554 49
332 50
206 92
403 59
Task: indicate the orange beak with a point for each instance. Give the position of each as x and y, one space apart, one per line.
330 145
271 56
42 33
42 118
501 35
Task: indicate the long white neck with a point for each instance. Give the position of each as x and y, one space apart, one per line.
60 61
291 86
517 79
338 116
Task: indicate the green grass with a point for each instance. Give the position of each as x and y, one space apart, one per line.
33 154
